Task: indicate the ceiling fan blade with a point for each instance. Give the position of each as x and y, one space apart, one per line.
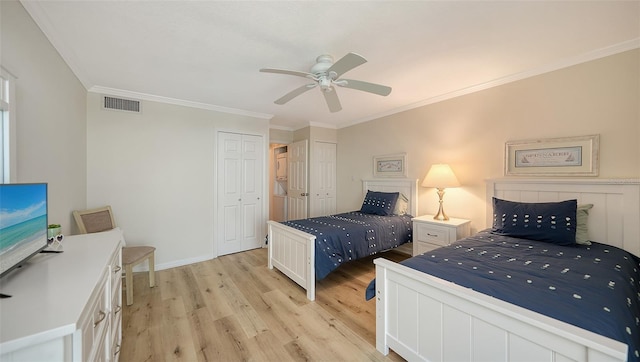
345 64
289 72
294 93
332 100
382 90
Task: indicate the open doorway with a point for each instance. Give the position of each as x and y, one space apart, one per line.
278 181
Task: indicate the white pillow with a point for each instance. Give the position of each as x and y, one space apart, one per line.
401 205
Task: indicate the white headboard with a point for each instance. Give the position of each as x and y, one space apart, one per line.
614 219
406 186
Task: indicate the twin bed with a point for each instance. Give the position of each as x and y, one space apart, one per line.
440 317
293 251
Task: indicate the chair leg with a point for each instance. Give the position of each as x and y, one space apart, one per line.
129 281
152 271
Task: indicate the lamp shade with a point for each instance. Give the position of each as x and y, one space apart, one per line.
440 176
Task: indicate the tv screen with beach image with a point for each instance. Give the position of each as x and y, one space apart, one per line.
23 223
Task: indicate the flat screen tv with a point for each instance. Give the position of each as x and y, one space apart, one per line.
23 223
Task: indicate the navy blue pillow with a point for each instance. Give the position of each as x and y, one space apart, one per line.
379 203
553 222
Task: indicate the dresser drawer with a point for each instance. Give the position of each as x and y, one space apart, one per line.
115 266
95 323
115 339
433 234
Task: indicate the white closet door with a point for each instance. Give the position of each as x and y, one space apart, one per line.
253 160
323 179
240 180
298 192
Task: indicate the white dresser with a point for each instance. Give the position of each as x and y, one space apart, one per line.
67 306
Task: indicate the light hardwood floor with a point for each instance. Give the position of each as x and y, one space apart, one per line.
233 308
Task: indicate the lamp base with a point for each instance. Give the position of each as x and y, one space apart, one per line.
441 215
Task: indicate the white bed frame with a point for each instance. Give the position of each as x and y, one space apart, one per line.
293 252
422 317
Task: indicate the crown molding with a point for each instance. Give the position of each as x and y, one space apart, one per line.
565 63
179 102
281 128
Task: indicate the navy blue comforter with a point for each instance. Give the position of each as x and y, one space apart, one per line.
594 287
352 235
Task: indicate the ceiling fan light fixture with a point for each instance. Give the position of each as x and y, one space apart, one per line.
324 83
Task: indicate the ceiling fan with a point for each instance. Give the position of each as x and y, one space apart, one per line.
326 74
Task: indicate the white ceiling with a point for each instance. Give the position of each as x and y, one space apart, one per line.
208 53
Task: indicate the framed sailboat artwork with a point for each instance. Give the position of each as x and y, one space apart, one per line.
390 165
566 156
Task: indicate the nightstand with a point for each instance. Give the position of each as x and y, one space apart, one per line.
429 234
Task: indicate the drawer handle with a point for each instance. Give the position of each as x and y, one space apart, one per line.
101 317
429 234
117 268
118 309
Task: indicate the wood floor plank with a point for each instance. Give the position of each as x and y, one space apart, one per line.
267 347
261 304
277 280
233 308
251 322
211 280
177 340
142 321
204 343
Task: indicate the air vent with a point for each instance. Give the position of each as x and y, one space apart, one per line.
121 104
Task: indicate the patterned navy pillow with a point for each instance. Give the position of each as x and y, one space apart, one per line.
379 203
553 222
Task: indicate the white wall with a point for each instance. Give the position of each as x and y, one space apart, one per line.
157 171
469 132
51 142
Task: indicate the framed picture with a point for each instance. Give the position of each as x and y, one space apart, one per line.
568 156
390 165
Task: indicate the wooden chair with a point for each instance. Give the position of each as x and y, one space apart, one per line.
101 219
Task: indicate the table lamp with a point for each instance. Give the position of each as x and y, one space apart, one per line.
440 176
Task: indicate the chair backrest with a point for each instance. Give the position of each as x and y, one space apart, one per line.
94 220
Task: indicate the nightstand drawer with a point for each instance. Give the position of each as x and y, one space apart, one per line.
429 234
433 234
